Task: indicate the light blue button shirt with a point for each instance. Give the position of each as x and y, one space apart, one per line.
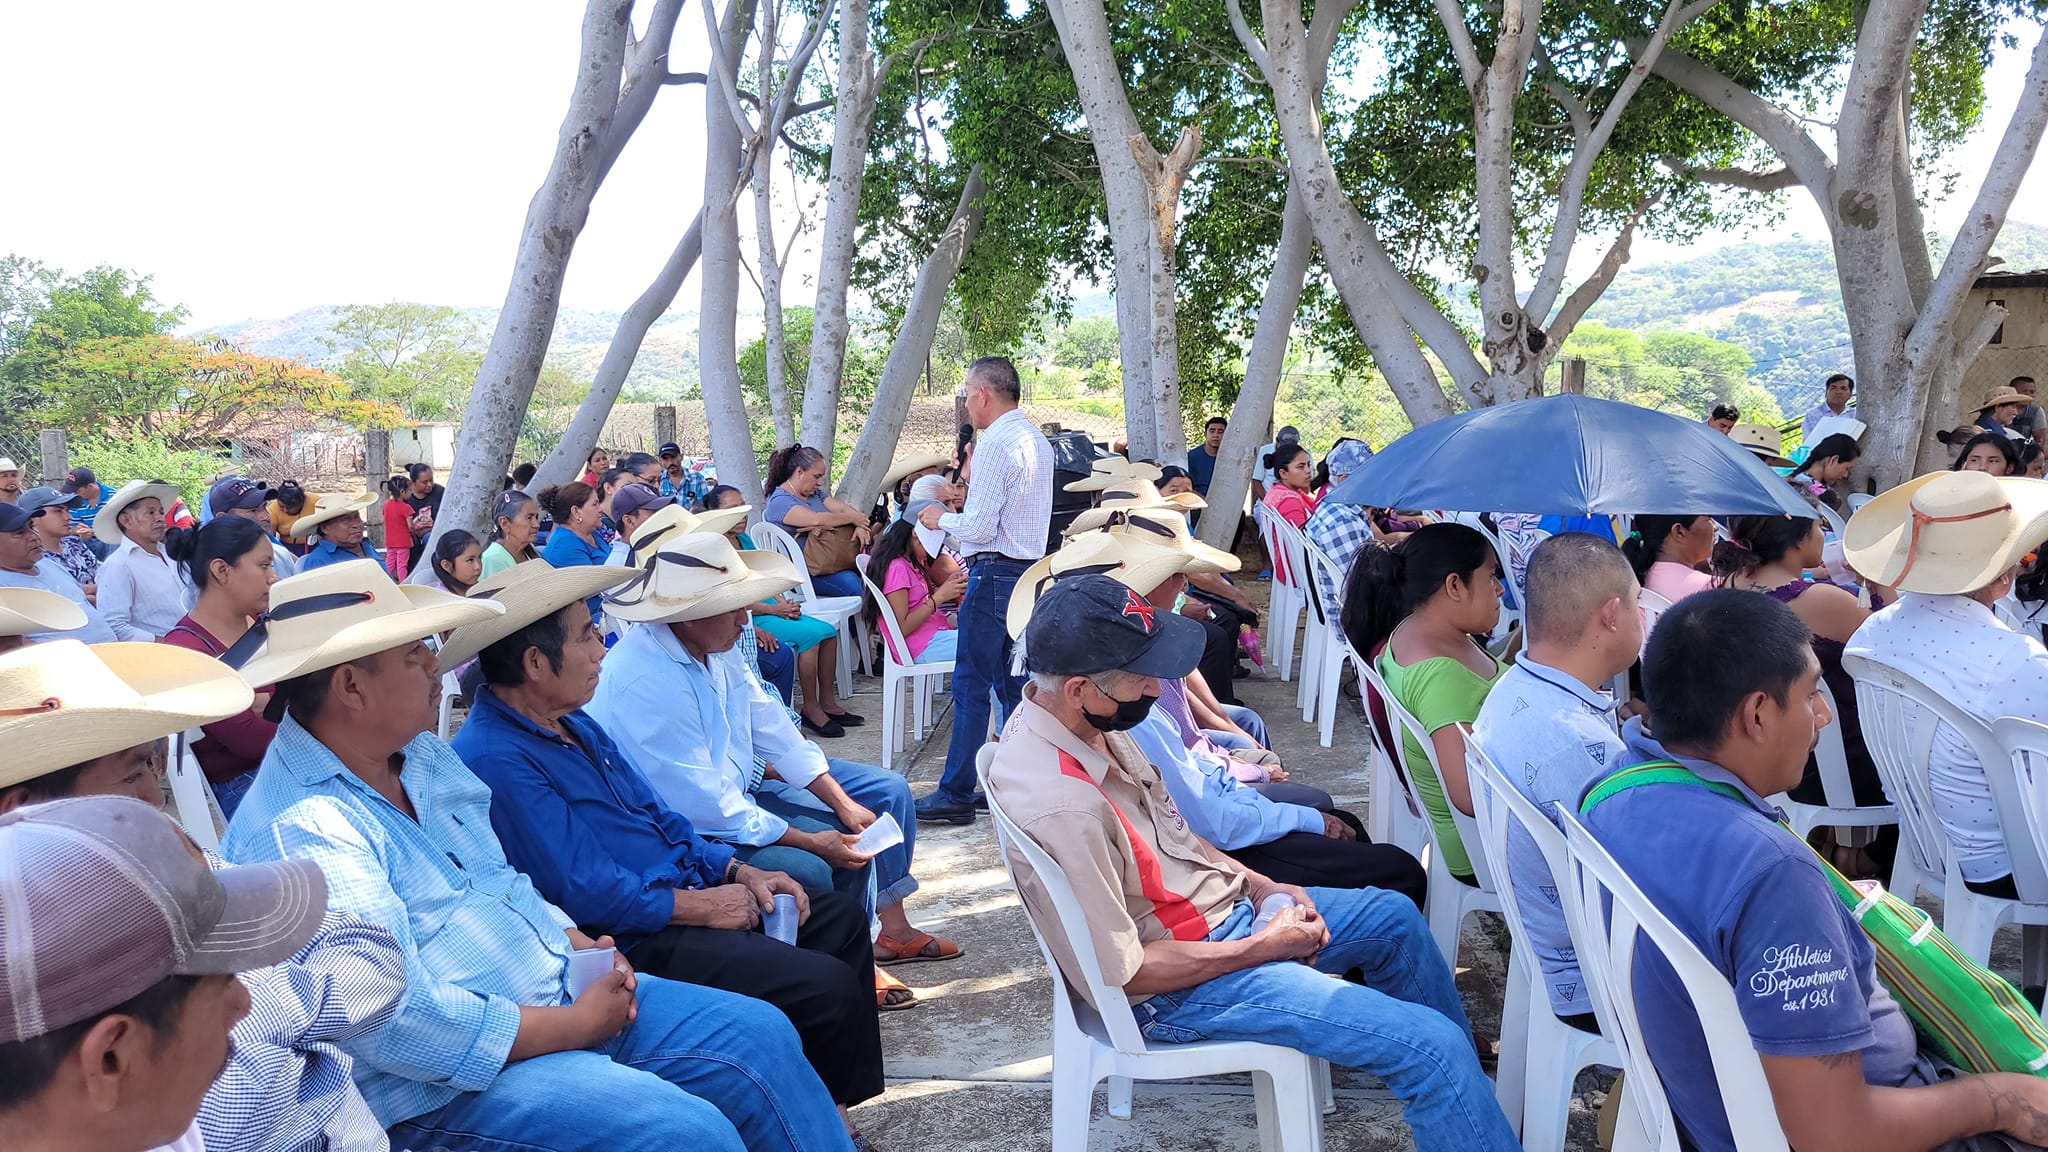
51 577
694 729
479 942
1552 737
1221 810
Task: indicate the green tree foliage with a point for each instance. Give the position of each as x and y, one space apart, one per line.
46 314
1680 372
1085 342
856 384
422 358
117 457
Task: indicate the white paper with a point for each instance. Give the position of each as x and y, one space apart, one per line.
587 965
883 834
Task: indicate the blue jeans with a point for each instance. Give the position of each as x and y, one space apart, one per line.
778 671
845 583
1403 1024
944 645
1253 724
981 667
701 1069
876 789
228 793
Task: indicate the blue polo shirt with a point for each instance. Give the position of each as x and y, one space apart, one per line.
1201 467
324 552
1755 902
583 823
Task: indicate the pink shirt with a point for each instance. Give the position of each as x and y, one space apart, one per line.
903 576
1675 582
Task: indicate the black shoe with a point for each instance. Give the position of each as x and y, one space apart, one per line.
830 729
1239 672
979 800
936 809
845 719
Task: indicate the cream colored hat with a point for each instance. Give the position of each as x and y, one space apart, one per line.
531 591
1763 440
64 703
1133 560
331 508
106 525
1109 470
1947 532
916 462
1169 528
676 520
695 575
29 611
2004 394
1132 494
344 612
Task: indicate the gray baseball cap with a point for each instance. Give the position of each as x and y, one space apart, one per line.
101 898
36 499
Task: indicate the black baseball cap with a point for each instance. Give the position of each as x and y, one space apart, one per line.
670 449
1087 624
12 518
78 478
236 492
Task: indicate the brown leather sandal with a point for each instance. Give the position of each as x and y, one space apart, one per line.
891 994
919 949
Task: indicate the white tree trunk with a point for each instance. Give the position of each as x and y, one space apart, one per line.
1231 481
774 339
860 82
574 447
725 408
875 450
519 344
1164 176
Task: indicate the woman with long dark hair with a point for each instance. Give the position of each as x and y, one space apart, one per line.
230 564
1668 552
515 522
1414 610
458 561
1291 493
799 505
1992 452
917 596
1771 555
1828 464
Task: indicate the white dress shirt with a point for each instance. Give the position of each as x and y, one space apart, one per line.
1958 647
1009 497
141 593
1820 412
694 728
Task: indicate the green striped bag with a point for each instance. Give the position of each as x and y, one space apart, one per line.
1967 1013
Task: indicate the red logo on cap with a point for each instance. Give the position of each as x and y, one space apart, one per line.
1135 605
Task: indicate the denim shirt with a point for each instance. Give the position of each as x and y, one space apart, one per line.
582 821
478 941
324 552
1222 811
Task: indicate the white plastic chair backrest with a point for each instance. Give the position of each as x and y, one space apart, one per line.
1500 554
1320 566
1832 757
886 613
791 551
1116 1025
191 795
1373 684
1296 546
1495 803
1900 716
1651 606
1406 721
2026 743
1832 520
1606 911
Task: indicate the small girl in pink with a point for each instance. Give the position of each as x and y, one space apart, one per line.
916 588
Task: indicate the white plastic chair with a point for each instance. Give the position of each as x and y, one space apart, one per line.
1840 809
1540 1055
918 676
1394 816
1284 606
1451 900
191 795
1900 716
1316 623
451 687
842 612
1090 1045
1607 952
1333 649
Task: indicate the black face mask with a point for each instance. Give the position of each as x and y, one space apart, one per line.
1128 715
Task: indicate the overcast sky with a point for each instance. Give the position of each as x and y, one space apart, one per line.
258 158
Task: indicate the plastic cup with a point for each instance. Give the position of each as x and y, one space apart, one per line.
780 924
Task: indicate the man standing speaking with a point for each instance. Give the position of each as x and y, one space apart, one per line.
1001 530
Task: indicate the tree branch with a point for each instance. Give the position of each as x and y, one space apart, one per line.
726 70
1584 296
684 78
1781 130
645 74
1774 180
1249 39
1452 15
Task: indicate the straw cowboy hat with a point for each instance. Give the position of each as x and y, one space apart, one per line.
331 508
344 612
1763 440
2004 394
1168 527
107 524
1132 494
915 462
1131 559
695 575
1111 469
1947 532
531 591
676 520
64 703
29 611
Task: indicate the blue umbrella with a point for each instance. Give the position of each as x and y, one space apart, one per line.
1570 456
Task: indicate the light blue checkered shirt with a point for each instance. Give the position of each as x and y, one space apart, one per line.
479 942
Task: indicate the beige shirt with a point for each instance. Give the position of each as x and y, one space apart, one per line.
1084 809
